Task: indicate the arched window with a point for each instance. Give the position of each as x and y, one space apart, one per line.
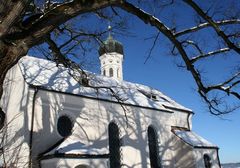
64 126
111 72
104 72
2 118
153 148
114 145
207 161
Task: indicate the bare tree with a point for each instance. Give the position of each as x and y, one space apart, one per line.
60 27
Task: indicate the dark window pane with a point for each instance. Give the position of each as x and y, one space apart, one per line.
111 72
64 126
207 161
114 145
2 118
153 148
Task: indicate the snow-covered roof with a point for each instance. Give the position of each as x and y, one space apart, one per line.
44 73
72 145
193 139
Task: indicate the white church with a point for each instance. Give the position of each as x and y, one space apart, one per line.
48 120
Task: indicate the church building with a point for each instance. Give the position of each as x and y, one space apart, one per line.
53 121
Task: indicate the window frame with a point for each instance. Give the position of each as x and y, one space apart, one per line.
153 147
70 128
111 72
207 161
114 145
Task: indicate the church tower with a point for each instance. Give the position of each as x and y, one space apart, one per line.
111 58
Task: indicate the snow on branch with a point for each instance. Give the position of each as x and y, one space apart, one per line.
211 53
213 24
206 24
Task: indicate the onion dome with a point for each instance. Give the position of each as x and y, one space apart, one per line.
109 46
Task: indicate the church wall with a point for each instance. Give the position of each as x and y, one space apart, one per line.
112 60
91 118
181 119
212 153
183 155
16 103
73 162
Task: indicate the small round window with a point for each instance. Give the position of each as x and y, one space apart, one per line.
64 126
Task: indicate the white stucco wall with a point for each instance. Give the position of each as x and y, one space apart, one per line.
199 152
16 103
63 163
112 60
91 118
180 119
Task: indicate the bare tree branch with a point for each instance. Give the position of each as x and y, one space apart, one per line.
10 11
213 24
192 43
206 24
151 49
212 53
34 33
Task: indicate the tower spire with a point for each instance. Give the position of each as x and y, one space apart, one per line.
109 30
111 57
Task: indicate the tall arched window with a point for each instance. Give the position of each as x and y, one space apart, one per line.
104 72
114 145
111 72
153 148
2 118
207 161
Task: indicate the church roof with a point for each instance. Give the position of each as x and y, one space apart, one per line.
193 139
45 74
109 46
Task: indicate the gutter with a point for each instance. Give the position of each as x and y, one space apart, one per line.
32 124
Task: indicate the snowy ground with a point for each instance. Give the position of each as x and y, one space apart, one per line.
231 165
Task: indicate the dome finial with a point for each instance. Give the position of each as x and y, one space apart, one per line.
109 30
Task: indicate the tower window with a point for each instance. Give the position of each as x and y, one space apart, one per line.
64 126
207 161
111 72
104 72
114 145
153 148
118 73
